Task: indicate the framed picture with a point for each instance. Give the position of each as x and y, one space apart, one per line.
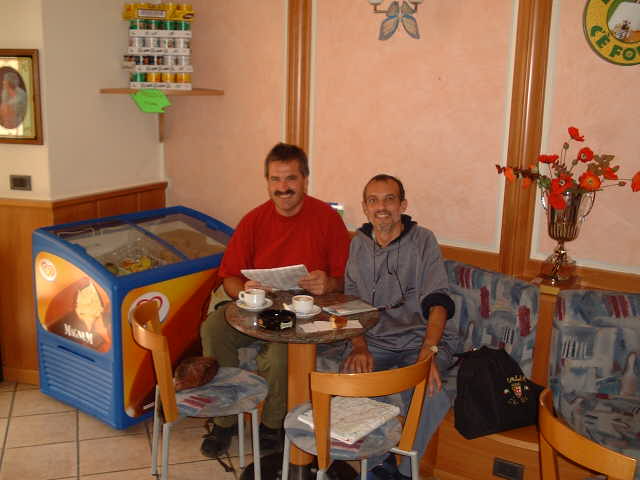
20 117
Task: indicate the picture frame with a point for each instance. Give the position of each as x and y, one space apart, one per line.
20 106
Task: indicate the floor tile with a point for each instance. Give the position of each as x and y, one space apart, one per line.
5 403
41 462
27 386
3 429
184 445
6 386
114 453
42 429
90 427
33 402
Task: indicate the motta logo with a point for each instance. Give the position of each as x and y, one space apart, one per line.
612 28
160 298
47 269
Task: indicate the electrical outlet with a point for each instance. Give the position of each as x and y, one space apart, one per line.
506 469
20 182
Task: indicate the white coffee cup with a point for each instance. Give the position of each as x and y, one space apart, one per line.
253 297
302 303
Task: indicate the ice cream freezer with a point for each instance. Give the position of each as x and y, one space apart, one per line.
90 275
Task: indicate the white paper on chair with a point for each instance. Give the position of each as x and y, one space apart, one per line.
354 417
281 278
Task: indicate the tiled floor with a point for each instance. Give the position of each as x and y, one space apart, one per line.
43 439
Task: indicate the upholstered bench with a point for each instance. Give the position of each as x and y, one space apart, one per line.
495 310
595 364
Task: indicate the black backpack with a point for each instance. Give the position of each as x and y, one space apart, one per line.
493 394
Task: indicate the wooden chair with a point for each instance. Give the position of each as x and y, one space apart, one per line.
556 437
389 437
232 391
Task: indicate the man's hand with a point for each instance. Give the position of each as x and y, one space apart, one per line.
435 383
255 284
317 282
360 359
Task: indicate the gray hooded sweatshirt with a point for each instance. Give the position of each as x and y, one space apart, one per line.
407 274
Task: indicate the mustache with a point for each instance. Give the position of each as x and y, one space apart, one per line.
286 192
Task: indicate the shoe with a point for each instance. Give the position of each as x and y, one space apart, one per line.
217 441
271 439
379 472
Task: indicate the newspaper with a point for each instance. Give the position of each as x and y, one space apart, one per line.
281 278
349 308
354 417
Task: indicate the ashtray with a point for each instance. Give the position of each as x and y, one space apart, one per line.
276 319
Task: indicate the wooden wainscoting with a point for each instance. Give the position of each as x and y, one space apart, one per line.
18 219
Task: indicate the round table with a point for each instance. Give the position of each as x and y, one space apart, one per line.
301 350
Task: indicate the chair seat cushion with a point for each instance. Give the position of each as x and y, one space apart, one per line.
232 391
380 440
610 420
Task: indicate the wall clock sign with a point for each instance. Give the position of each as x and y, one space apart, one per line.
612 28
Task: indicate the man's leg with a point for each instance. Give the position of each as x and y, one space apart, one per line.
222 342
272 365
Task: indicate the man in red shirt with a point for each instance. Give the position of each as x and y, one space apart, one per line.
290 228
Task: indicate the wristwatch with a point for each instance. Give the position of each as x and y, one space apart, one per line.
433 348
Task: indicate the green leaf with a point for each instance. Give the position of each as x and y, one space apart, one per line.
151 100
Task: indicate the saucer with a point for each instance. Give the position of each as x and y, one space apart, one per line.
314 311
267 303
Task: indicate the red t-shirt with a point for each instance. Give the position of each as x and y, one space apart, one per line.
316 237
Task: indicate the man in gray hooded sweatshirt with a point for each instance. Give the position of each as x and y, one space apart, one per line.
396 265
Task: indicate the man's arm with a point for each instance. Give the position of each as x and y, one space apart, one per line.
435 327
319 283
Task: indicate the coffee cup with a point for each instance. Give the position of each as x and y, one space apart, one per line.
253 297
302 303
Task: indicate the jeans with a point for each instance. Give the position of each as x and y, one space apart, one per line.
434 409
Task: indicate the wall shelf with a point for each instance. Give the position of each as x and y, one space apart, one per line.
196 92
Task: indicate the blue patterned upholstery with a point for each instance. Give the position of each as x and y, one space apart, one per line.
380 440
594 366
492 309
232 391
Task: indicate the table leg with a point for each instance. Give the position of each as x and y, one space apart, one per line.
302 361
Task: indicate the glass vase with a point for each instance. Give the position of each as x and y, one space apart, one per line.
563 225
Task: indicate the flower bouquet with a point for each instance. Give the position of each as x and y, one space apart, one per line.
567 201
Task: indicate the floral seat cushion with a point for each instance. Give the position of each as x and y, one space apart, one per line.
232 391
594 366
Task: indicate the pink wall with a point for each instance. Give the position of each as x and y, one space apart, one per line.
215 146
430 111
433 111
601 99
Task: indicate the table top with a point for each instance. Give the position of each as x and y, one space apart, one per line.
245 321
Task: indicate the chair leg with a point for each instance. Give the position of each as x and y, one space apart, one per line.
257 473
320 474
166 433
413 456
285 458
241 439
157 412
363 469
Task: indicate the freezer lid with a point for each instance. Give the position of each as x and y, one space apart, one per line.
118 245
191 236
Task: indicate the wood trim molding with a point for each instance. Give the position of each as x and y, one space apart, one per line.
525 129
477 258
108 194
298 73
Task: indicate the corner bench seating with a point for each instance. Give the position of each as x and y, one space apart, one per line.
594 367
495 310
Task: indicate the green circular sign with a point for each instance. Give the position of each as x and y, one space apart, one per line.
612 28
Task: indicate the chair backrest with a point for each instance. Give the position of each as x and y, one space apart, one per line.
556 436
145 325
595 345
493 310
324 385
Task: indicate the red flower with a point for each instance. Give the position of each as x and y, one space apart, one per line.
547 158
635 182
575 134
561 184
508 173
557 201
609 174
585 155
589 181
